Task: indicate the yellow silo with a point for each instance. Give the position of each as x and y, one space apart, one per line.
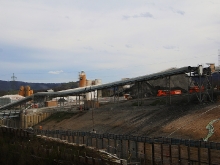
21 91
27 90
31 92
82 79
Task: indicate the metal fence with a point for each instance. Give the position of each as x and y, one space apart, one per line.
144 150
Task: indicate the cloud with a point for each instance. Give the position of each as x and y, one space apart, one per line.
55 72
88 48
50 36
170 47
180 12
128 46
142 15
177 11
126 17
146 15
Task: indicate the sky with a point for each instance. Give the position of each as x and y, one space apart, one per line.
51 41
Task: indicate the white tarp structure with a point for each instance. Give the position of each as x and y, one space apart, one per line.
6 99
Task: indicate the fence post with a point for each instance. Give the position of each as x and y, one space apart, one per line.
96 142
102 143
83 139
199 153
121 154
73 138
170 151
152 149
136 147
115 145
129 151
188 150
161 151
87 142
209 154
108 144
93 161
77 138
91 141
179 150
68 138
144 152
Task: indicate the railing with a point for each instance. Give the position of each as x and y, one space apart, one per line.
49 152
144 150
163 140
137 149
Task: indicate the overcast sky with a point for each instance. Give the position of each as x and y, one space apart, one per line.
53 40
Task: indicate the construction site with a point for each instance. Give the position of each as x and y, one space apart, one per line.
178 103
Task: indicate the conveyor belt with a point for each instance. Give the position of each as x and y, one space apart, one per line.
77 91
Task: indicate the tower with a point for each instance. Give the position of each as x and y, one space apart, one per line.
13 82
218 58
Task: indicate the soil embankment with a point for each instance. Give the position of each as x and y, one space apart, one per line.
186 121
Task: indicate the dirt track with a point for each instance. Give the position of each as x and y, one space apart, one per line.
186 121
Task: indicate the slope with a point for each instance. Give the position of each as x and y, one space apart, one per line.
181 120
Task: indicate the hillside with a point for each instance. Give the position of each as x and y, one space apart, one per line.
8 86
181 120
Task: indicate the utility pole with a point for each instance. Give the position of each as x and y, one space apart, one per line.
13 78
218 57
218 69
13 83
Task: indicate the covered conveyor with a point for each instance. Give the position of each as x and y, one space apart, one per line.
77 91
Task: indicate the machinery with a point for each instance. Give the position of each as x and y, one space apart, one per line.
195 89
168 92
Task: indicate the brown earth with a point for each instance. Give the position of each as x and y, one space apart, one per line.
179 120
